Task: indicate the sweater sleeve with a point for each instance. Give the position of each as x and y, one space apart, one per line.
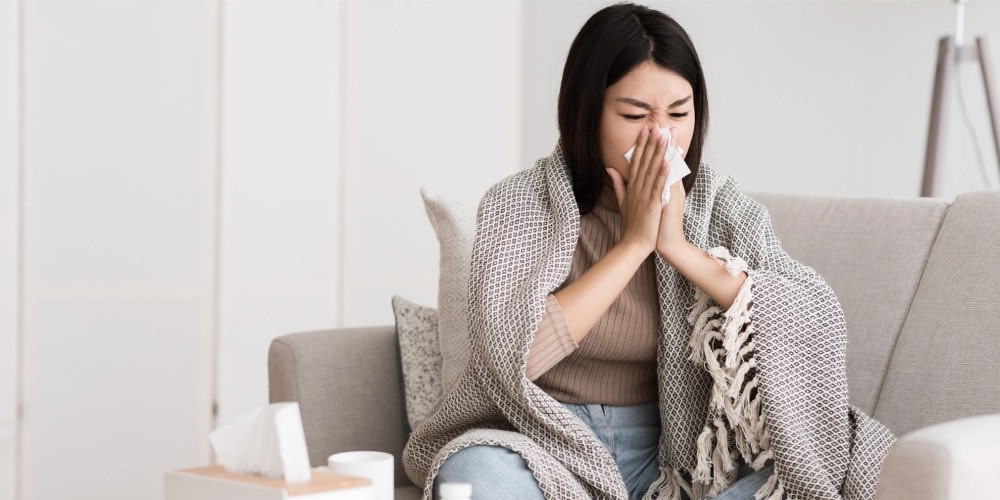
552 342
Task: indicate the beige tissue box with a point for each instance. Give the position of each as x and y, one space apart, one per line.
215 483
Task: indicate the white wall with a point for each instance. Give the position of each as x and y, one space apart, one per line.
334 115
119 196
826 97
280 206
199 177
8 246
433 96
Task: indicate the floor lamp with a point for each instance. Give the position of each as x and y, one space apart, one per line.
951 53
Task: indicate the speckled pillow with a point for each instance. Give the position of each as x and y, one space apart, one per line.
420 357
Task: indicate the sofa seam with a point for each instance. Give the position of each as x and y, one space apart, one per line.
909 307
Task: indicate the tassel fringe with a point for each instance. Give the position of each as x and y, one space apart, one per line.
772 489
723 342
654 488
669 486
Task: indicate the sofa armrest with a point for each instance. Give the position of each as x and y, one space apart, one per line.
348 385
959 459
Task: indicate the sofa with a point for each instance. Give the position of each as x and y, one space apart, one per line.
919 281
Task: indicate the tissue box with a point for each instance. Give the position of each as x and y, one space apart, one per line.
216 483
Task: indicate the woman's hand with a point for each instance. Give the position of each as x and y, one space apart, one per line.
640 199
692 262
671 238
585 300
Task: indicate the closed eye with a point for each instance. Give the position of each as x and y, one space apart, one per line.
678 115
634 117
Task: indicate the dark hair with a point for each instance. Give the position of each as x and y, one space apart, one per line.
613 42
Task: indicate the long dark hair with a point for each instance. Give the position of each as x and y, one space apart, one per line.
612 42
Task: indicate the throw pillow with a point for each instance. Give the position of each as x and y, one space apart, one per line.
455 226
420 357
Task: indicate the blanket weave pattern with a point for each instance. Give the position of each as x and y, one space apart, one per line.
763 381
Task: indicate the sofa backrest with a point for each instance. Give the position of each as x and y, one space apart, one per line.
872 253
946 364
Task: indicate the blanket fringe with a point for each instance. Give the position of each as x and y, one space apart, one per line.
703 470
655 487
669 486
723 342
722 461
772 489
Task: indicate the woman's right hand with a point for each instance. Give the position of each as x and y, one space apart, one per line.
585 300
640 196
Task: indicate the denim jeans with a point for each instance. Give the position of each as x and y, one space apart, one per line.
631 434
747 483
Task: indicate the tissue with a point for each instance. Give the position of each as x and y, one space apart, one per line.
268 441
678 168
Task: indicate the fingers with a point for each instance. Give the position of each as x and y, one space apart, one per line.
652 165
659 180
637 154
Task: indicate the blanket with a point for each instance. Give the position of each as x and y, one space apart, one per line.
763 381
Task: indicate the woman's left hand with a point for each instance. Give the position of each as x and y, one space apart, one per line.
671 235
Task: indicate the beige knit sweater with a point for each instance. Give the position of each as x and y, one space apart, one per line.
616 362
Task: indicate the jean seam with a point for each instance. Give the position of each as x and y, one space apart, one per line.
611 429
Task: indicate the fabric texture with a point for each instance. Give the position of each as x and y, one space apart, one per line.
349 389
950 335
616 362
455 227
552 343
785 335
494 472
855 243
631 434
420 357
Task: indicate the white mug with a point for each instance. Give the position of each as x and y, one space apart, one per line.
374 465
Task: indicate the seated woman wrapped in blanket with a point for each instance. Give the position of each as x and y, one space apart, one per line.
623 347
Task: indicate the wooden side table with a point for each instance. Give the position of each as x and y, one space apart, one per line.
216 483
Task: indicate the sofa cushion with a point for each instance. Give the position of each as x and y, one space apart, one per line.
871 252
419 356
347 383
454 225
945 362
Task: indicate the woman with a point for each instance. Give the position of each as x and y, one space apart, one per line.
626 348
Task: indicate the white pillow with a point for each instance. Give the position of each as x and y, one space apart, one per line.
454 223
420 357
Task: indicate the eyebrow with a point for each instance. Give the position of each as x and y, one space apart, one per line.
639 104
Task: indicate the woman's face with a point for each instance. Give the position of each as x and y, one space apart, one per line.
649 95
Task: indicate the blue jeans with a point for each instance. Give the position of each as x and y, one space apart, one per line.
631 434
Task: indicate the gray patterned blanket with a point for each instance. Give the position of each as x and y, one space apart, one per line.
762 382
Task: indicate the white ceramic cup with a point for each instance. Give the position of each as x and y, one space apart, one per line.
374 465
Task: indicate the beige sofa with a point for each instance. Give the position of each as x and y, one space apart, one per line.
919 281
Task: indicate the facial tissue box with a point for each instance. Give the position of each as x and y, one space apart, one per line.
267 442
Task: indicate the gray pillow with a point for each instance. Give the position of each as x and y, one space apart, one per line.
420 357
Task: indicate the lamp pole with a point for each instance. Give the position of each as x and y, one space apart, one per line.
951 53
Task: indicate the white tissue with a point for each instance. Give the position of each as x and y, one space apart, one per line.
678 168
268 441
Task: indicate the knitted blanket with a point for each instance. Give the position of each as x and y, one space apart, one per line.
762 382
